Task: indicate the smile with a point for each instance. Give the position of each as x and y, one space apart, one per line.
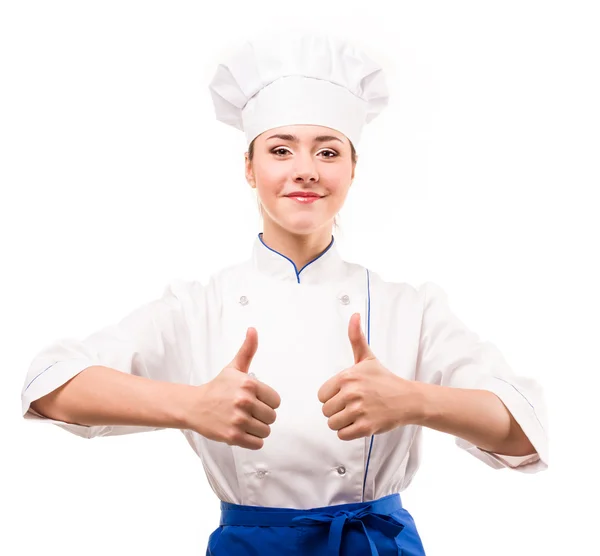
305 200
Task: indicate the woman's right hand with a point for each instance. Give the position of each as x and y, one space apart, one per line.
235 407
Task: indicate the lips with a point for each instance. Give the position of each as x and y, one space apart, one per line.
304 200
304 195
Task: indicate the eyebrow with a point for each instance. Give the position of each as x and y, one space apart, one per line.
294 138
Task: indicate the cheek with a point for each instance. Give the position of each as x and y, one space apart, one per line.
336 174
337 178
270 178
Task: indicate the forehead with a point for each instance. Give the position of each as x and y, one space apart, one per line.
303 134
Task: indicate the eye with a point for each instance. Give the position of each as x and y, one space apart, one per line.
282 151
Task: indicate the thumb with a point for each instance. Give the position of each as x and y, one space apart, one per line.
244 356
360 346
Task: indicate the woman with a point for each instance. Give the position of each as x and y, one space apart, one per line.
313 428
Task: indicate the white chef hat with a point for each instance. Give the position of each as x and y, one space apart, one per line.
298 78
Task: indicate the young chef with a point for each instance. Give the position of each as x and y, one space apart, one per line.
302 381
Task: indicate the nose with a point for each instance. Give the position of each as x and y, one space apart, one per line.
305 170
304 177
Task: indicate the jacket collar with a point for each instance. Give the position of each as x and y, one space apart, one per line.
326 267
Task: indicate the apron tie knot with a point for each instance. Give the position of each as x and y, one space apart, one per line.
365 516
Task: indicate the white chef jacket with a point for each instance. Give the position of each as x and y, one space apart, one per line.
301 316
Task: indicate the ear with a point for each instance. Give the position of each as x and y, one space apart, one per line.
249 172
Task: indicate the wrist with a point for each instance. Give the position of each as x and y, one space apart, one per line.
422 409
181 404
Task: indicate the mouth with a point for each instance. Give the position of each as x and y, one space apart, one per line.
304 200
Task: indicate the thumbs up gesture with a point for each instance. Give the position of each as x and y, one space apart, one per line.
234 407
367 398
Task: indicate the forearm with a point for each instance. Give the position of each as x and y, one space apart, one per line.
478 416
103 396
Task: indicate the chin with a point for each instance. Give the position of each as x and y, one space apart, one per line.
302 225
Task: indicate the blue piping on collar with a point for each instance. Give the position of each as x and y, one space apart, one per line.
293 263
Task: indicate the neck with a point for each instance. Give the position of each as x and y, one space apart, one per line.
300 248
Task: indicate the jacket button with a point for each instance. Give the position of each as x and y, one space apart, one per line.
244 300
345 299
341 470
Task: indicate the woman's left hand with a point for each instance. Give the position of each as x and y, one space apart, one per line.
367 398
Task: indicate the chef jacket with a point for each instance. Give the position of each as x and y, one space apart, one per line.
193 331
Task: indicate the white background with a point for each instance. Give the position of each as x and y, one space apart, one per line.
481 175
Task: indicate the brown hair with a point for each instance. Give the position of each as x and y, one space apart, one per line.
251 156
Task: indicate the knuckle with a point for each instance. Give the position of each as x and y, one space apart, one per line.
349 375
357 407
242 401
239 419
249 384
231 437
353 393
345 376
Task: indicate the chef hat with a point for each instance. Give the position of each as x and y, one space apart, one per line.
298 78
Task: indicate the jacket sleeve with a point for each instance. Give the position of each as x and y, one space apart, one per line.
152 341
452 355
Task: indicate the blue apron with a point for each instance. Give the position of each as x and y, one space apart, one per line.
378 528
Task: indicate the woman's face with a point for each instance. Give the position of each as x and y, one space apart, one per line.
305 158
